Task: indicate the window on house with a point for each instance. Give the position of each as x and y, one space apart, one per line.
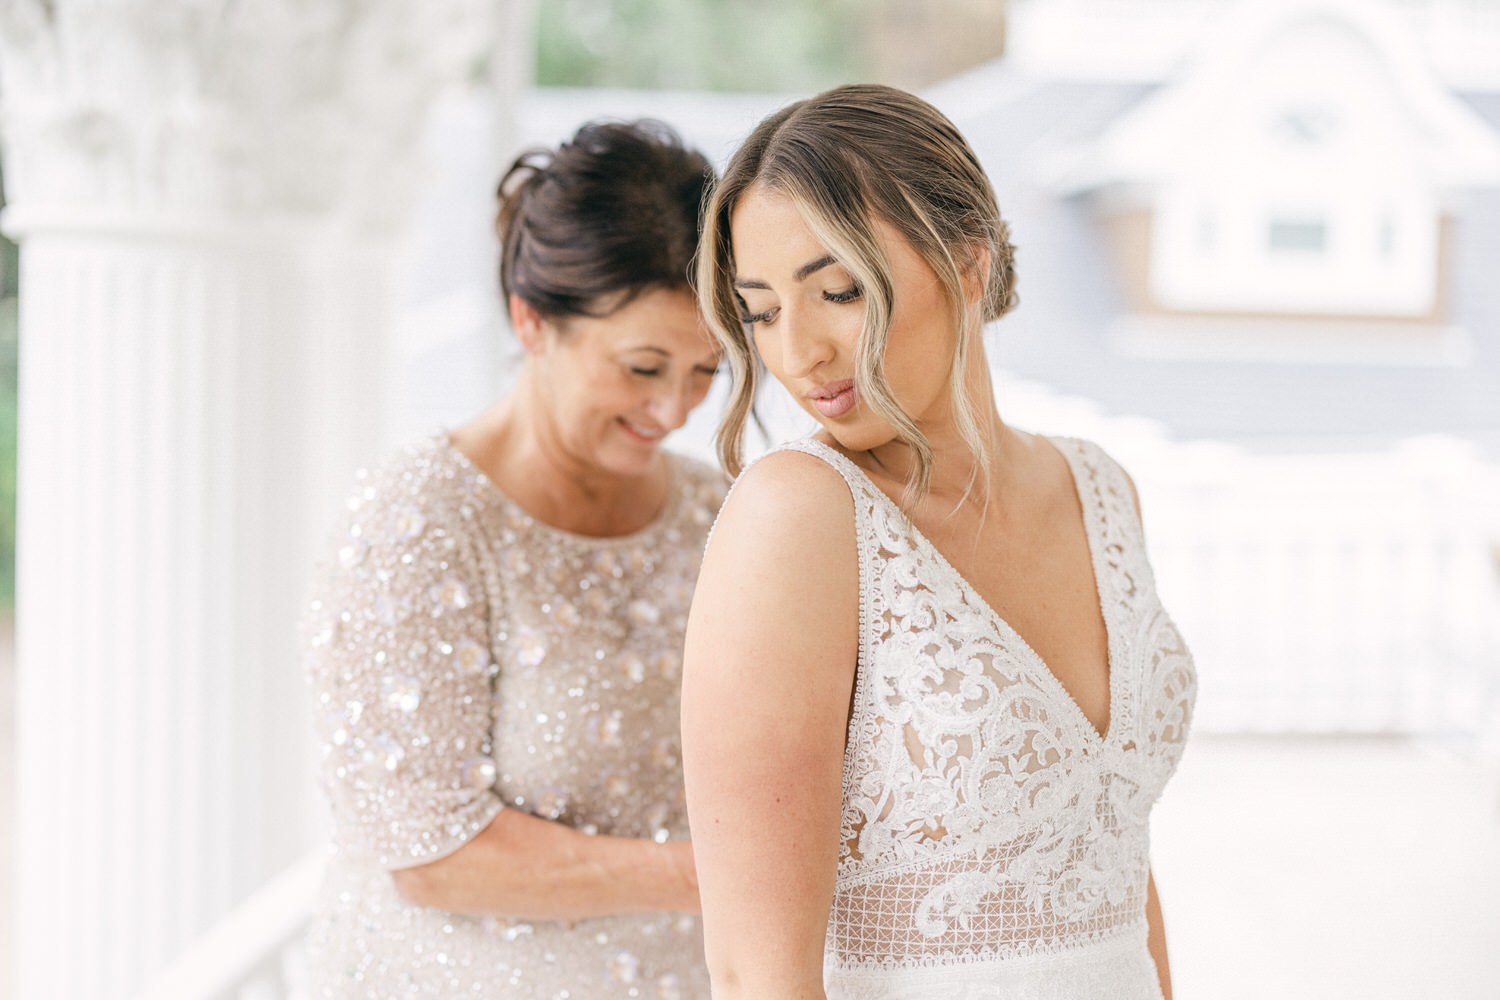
1298 236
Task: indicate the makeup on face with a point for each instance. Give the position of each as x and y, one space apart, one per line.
806 316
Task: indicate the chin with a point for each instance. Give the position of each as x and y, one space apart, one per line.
861 436
630 461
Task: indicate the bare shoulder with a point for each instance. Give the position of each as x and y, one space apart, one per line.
776 610
787 496
780 578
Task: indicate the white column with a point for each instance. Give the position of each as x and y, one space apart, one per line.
205 195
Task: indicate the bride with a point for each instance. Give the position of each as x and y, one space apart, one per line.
930 694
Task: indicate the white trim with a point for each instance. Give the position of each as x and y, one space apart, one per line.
1150 143
1344 343
1147 41
252 945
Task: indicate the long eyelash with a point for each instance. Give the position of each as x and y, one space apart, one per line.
750 319
845 296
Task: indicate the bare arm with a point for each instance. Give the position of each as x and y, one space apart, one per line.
1156 938
771 648
528 867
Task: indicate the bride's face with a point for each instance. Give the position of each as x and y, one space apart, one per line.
807 313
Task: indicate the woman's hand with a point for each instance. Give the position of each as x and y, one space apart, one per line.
526 867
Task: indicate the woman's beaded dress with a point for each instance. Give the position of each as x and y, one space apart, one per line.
466 659
994 843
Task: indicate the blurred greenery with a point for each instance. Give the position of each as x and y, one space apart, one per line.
746 45
776 46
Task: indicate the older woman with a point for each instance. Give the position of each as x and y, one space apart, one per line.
495 645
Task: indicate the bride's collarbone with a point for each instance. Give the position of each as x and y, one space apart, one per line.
1036 574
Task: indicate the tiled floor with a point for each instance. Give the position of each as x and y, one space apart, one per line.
1289 867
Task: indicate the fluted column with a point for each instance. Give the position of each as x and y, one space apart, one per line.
205 195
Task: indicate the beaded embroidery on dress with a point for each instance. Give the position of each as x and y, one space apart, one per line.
994 843
467 659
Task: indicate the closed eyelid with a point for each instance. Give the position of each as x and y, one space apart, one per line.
747 315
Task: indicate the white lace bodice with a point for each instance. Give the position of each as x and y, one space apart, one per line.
993 842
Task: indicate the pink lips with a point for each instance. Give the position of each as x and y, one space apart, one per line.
834 399
636 435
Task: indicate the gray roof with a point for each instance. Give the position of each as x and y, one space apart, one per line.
1070 299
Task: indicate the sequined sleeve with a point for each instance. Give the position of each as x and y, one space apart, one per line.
398 653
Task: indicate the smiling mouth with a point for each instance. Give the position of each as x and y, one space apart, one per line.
834 399
644 434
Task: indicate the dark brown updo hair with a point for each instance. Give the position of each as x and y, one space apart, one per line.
609 214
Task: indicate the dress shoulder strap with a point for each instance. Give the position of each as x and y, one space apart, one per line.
1109 499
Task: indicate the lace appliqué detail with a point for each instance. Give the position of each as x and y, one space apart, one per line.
985 820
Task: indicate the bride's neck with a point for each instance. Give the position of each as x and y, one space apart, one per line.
955 464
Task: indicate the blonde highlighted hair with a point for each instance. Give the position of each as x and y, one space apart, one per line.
846 158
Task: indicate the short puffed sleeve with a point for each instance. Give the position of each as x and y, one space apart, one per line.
397 639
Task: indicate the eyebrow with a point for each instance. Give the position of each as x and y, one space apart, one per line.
800 274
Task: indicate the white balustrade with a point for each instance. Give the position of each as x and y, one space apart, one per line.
1320 593
1335 593
256 952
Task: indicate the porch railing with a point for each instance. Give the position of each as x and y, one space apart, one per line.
1334 593
255 953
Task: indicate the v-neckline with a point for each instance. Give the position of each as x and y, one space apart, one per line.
1091 529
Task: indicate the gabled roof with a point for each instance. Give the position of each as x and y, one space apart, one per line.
1236 65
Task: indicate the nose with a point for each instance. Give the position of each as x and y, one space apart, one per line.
672 403
802 346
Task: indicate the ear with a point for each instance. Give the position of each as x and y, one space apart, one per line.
528 325
976 274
